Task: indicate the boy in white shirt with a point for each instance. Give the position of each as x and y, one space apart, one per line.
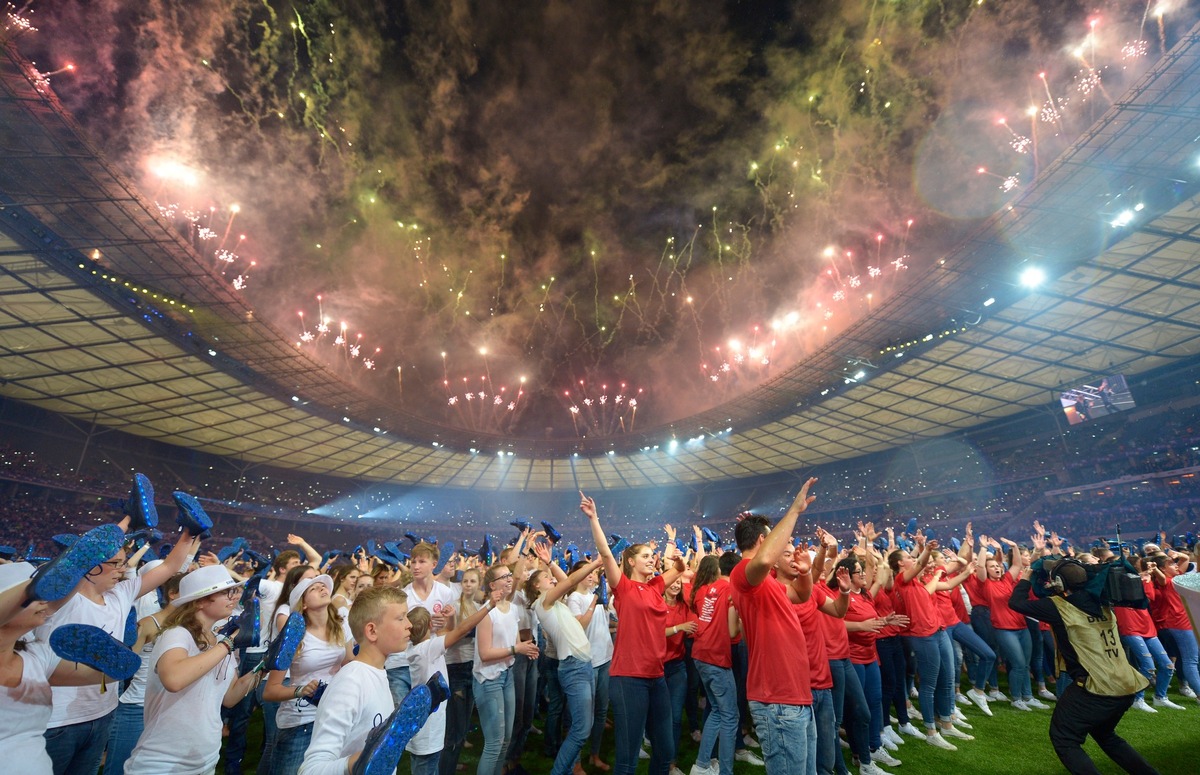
358 697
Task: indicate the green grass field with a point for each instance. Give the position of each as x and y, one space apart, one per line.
1010 743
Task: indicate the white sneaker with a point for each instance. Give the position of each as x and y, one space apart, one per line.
996 696
961 724
871 768
909 729
1021 705
913 693
881 756
675 771
980 700
748 741
937 741
954 732
1186 691
961 699
843 743
748 756
1163 702
1047 695
1140 704
891 734
1034 702
643 754
888 745
957 715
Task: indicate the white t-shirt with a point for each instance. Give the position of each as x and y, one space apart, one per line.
76 704
135 693
268 595
25 712
597 629
563 630
464 650
182 735
317 660
424 660
439 596
147 605
357 699
504 636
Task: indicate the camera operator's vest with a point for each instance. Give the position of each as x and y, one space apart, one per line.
1098 646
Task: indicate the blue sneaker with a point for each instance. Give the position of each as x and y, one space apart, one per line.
55 579
192 516
95 648
140 507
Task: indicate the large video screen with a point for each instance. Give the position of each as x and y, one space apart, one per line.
1098 399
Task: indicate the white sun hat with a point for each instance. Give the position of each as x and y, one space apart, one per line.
204 582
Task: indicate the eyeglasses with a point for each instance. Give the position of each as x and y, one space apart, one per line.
502 578
232 592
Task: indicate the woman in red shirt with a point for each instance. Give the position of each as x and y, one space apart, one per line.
1140 638
1012 635
680 622
716 627
929 642
863 625
638 688
1171 617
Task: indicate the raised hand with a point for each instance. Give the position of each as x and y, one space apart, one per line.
670 531
803 499
587 505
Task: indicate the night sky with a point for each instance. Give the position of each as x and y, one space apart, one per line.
582 193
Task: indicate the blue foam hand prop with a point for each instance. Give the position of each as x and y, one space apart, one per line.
385 743
131 629
140 507
602 590
65 540
551 533
444 554
521 525
911 527
282 650
710 535
225 553
413 537
191 516
54 579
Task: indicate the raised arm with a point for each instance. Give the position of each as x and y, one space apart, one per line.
612 566
780 536
911 572
311 554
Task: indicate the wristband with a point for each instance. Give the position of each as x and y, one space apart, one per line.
227 643
296 693
513 649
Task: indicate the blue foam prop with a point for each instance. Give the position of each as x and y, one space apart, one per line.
444 553
485 549
92 646
573 550
551 533
602 590
619 547
225 553
191 516
385 743
911 527
245 627
521 525
710 535
140 507
413 537
282 650
7 552
65 540
131 629
955 544
54 579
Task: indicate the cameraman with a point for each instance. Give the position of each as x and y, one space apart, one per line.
1103 683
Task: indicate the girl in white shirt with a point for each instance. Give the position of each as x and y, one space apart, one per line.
325 648
545 590
192 675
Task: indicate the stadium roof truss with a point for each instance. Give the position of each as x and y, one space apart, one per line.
147 340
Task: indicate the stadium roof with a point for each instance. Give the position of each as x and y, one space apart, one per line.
107 315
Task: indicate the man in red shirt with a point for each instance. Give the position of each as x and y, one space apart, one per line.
778 685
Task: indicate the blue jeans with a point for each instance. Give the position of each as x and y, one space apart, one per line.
788 735
424 763
400 682
1016 647
675 672
290 745
497 707
75 749
551 689
238 717
850 705
892 670
828 750
721 726
126 729
458 715
740 654
1189 656
986 657
641 706
576 678
868 677
525 683
270 731
1151 660
600 716
981 623
935 663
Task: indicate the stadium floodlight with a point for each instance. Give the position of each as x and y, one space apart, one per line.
1033 277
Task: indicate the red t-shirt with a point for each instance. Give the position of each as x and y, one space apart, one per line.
884 606
999 590
1136 621
944 601
676 614
837 643
641 645
862 642
976 592
960 607
915 602
1167 608
711 643
774 637
818 657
